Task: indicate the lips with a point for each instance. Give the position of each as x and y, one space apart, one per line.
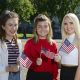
42 33
12 32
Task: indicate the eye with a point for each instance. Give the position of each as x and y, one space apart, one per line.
65 23
10 24
16 25
38 26
71 22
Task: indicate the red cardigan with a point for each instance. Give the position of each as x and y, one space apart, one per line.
33 50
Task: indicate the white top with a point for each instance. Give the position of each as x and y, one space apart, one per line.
72 57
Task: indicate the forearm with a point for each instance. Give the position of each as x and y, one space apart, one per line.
12 68
77 76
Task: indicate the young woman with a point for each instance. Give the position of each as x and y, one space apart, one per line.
10 46
69 53
43 67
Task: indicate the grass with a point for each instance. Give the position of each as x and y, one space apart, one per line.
27 35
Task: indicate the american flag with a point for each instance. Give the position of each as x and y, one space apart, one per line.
66 47
25 61
47 53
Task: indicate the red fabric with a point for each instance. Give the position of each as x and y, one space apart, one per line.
33 50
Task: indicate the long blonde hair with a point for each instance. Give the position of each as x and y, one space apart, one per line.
76 24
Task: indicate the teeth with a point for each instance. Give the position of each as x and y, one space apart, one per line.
42 33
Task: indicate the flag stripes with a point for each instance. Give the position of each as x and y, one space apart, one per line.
25 61
66 47
47 53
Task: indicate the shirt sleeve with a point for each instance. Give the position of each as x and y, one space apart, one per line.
2 67
28 50
55 64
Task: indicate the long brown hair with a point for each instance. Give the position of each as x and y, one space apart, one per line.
3 19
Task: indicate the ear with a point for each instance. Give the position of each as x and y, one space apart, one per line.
3 27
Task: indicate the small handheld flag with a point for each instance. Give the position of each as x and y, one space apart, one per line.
47 53
25 61
66 47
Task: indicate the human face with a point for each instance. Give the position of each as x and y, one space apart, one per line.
68 26
11 27
42 29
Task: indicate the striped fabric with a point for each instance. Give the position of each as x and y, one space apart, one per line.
13 52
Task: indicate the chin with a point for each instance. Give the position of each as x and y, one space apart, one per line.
12 35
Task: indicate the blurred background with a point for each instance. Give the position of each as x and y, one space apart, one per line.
28 9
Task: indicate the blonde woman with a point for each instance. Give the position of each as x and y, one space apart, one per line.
70 35
43 67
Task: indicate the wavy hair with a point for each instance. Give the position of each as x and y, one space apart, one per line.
3 19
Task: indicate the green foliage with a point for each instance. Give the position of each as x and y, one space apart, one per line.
27 8
56 7
3 4
27 35
23 7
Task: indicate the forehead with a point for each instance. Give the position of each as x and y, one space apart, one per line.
12 20
42 22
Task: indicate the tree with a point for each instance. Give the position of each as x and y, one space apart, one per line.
3 4
23 7
55 7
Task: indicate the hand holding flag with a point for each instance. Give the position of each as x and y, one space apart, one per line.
25 61
47 53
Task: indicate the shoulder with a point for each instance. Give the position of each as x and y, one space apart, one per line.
2 42
30 40
19 40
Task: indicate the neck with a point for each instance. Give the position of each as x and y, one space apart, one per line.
9 38
42 37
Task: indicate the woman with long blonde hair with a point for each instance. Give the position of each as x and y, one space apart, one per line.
69 50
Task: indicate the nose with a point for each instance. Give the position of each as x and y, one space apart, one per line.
14 27
42 28
68 25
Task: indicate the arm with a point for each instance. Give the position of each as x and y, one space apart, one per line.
55 62
3 58
2 67
77 76
30 51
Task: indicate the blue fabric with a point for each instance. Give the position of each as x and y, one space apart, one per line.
14 76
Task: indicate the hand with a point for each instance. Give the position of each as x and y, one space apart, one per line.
12 68
39 61
57 58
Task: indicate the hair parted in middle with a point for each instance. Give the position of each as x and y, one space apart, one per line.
40 18
76 24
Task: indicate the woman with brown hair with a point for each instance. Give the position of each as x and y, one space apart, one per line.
10 46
